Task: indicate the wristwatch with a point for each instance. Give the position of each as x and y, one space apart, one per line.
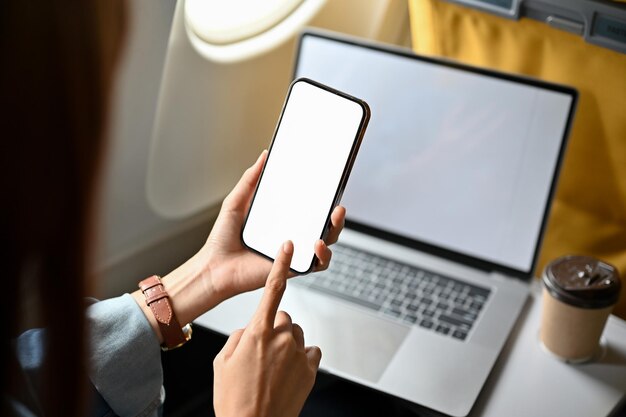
159 302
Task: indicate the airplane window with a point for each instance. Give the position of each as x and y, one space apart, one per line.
230 31
222 22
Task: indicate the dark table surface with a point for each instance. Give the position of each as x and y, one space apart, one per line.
188 380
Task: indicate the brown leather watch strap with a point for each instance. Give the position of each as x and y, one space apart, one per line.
158 301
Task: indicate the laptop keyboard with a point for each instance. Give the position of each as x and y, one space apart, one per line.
401 292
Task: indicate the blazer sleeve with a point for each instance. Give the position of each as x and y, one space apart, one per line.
125 357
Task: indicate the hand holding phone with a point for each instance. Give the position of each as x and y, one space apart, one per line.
314 147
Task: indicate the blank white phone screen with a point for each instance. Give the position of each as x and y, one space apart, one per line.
303 172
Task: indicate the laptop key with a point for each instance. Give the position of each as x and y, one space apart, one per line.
458 334
476 306
427 324
442 329
392 312
411 318
454 322
477 292
467 315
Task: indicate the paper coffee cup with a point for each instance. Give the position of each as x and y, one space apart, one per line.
578 296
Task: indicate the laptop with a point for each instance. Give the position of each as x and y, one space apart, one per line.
446 207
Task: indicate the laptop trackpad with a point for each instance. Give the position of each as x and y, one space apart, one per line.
352 341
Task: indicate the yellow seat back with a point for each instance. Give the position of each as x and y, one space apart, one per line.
589 212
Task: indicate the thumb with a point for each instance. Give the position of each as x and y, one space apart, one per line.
231 343
240 197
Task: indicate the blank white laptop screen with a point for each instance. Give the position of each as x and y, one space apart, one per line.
452 158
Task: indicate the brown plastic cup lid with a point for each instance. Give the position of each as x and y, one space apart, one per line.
582 281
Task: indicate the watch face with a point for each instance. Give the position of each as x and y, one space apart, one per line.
187 331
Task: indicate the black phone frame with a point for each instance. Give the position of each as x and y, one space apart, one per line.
356 144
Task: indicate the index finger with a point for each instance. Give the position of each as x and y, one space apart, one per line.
274 286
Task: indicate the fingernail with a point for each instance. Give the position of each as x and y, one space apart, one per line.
323 243
288 247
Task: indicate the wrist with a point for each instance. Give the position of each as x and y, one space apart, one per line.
190 290
222 276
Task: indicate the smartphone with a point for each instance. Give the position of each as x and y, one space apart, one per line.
310 157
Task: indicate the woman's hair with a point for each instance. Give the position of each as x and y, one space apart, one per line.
56 67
